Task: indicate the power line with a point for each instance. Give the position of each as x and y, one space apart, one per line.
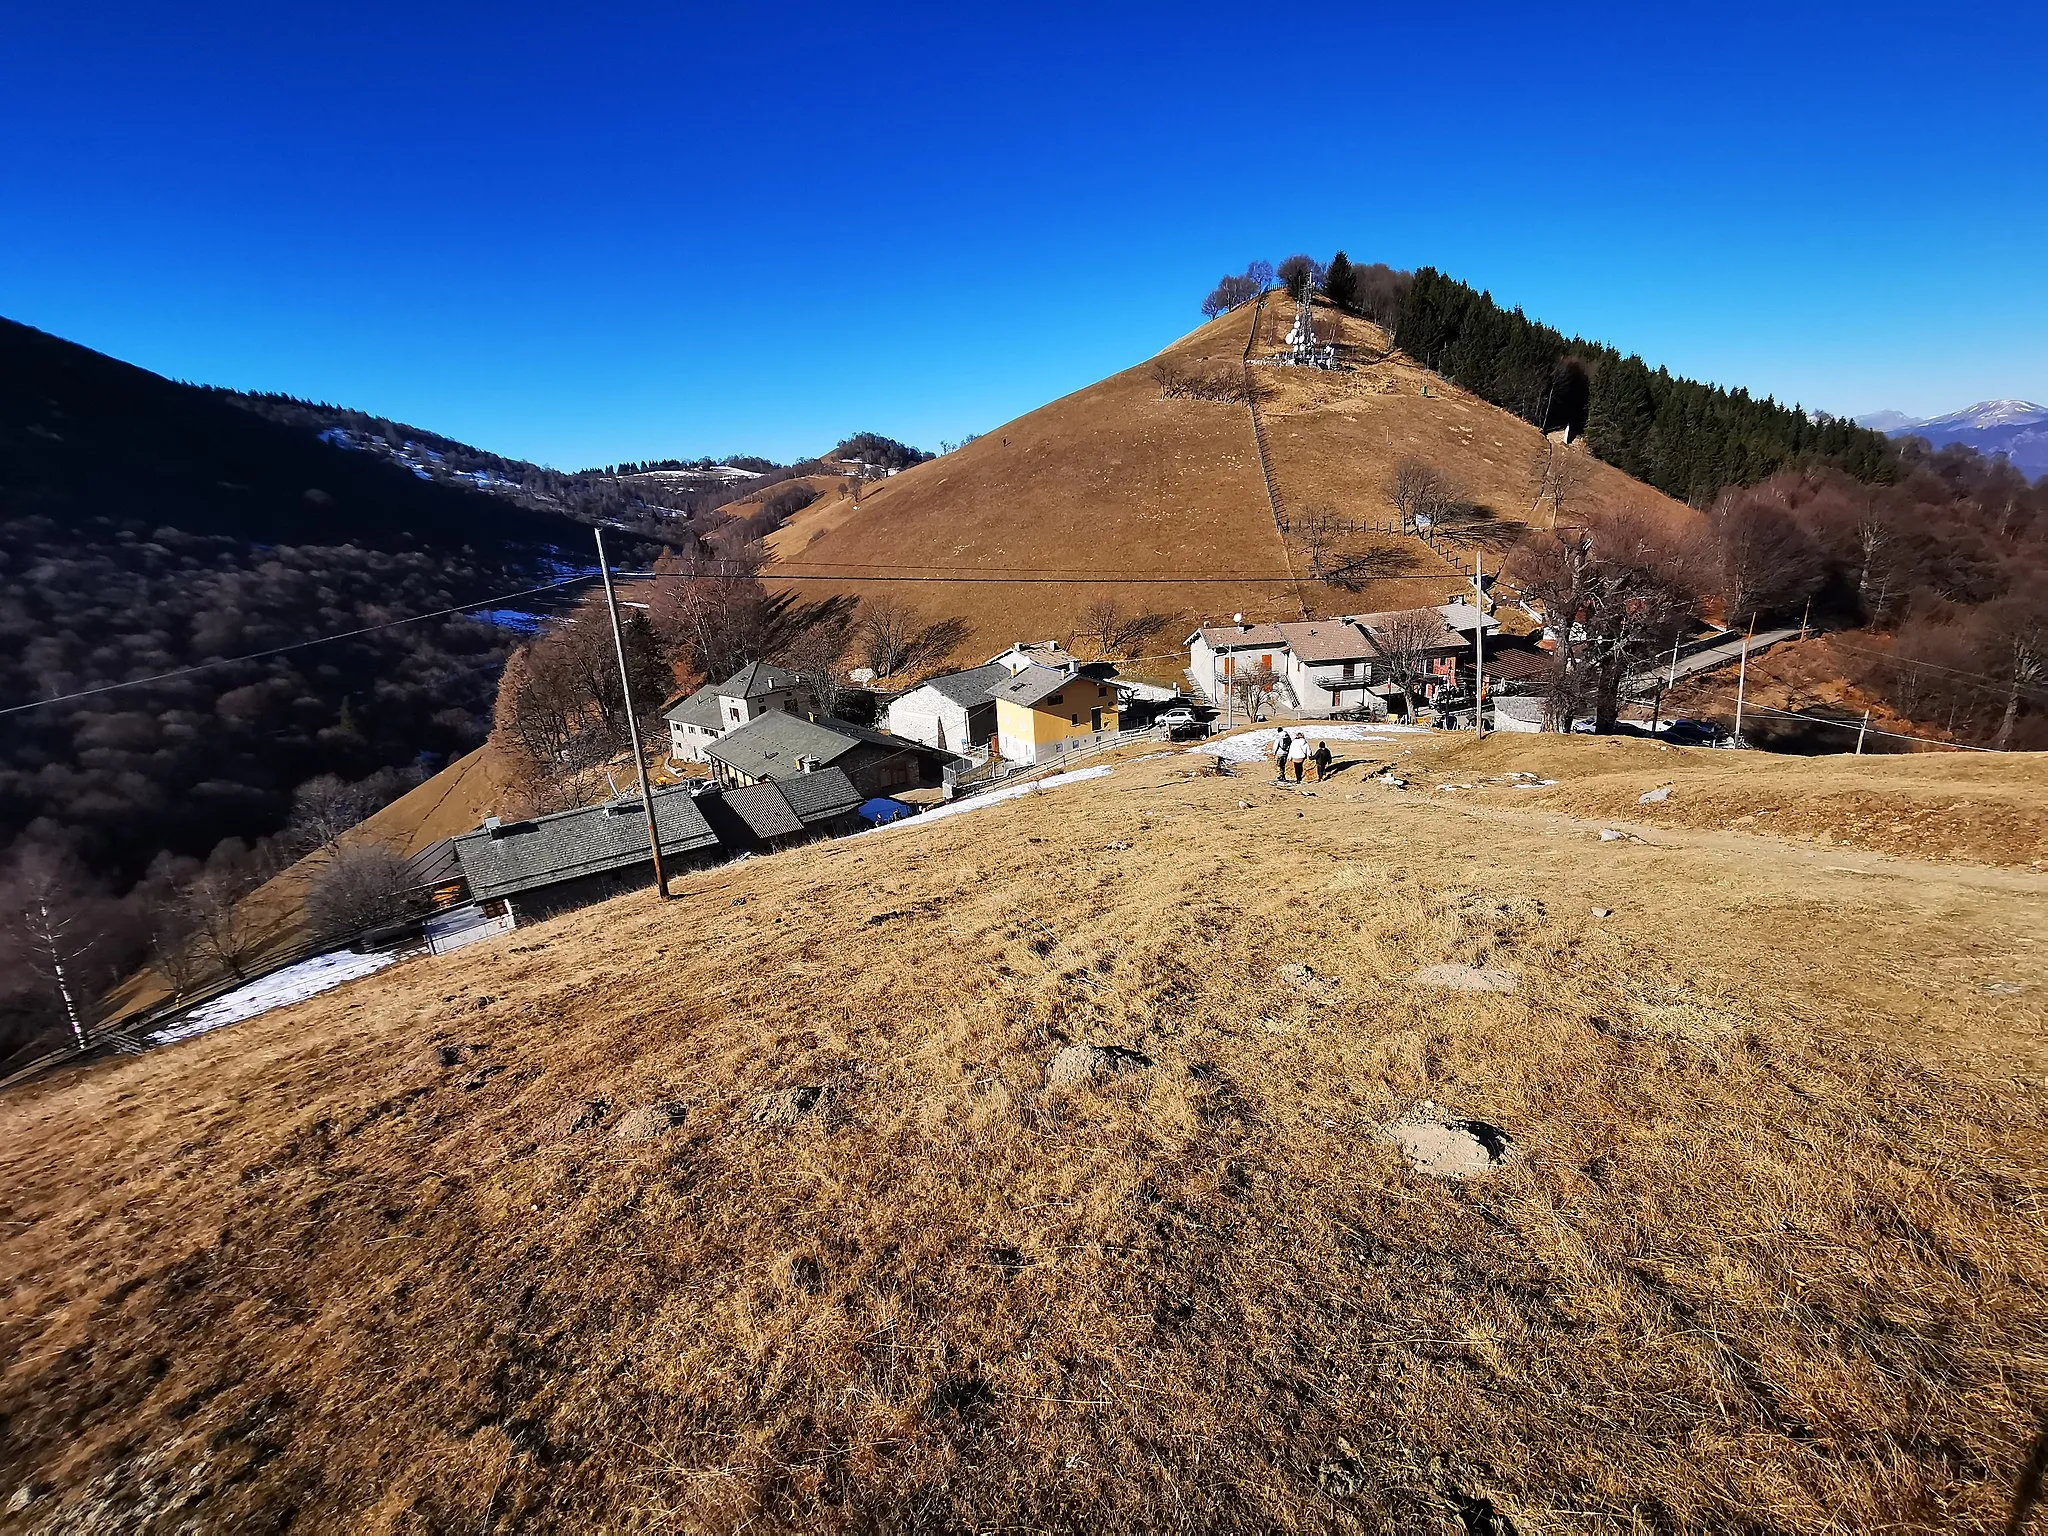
296 645
1999 684
1850 725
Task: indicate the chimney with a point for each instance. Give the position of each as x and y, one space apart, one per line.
806 763
492 825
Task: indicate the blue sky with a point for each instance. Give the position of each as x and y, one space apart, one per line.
580 238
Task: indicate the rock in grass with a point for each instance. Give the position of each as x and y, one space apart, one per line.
791 1106
1076 1064
1466 978
1448 1149
1655 796
649 1122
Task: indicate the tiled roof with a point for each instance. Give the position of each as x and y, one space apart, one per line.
1229 637
1444 637
524 855
1320 641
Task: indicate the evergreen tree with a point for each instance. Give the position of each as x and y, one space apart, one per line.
1340 283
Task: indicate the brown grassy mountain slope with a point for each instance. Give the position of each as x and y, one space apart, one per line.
1116 479
756 1208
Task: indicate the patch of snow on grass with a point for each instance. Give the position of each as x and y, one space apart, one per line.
293 984
1252 746
992 797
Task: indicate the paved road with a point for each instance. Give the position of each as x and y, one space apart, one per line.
1718 656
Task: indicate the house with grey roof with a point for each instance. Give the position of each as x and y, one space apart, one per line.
551 864
956 711
780 747
1043 713
716 709
758 818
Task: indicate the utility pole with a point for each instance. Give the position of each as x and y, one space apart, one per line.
611 603
1805 614
1742 686
1862 731
1479 644
1657 709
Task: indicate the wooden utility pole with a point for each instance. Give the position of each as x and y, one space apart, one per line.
611 603
1479 644
1742 685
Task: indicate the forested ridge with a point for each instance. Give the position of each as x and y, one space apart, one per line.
1689 440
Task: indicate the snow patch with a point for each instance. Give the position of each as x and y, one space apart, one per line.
992 797
1252 746
293 984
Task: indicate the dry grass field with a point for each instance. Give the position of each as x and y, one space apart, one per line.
1117 480
755 1210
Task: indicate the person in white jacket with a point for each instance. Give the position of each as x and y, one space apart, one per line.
1280 757
1297 754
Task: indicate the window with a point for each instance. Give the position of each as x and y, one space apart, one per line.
1073 719
1054 699
1350 670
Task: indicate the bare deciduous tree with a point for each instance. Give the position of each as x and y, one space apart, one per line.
1615 595
1319 528
1409 643
1420 490
362 885
1251 689
887 635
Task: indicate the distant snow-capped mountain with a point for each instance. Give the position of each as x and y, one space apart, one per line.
2014 429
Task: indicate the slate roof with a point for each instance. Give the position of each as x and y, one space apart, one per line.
977 685
820 796
761 809
525 855
1463 616
754 680
699 709
1035 683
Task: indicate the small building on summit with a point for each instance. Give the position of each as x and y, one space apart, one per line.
1043 714
717 709
567 860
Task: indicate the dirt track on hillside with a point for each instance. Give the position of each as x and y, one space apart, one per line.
756 1205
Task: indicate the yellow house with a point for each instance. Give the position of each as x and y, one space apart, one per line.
1044 712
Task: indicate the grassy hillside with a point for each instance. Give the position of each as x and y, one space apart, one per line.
1119 480
759 1207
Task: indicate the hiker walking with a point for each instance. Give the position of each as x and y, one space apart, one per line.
1322 761
1297 754
1280 757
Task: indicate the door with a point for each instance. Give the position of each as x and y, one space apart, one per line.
1095 719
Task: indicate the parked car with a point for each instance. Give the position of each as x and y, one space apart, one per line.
1694 733
1174 721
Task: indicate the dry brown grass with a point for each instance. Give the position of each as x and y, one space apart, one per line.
1770 1256
1118 479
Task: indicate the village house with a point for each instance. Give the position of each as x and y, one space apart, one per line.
956 711
1334 665
771 814
557 863
1043 713
719 708
782 746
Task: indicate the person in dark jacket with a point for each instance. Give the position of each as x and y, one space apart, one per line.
1280 757
1322 756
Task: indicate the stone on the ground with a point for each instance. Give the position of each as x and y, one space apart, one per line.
649 1121
1611 835
1445 1148
1302 977
1655 796
1075 1064
789 1106
1466 978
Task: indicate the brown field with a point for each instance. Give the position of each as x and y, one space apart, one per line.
1767 1254
1116 480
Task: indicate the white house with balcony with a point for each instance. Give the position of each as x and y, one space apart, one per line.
1334 665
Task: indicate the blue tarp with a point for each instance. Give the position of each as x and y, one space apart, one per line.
880 811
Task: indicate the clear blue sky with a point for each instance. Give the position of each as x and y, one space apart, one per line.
580 237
